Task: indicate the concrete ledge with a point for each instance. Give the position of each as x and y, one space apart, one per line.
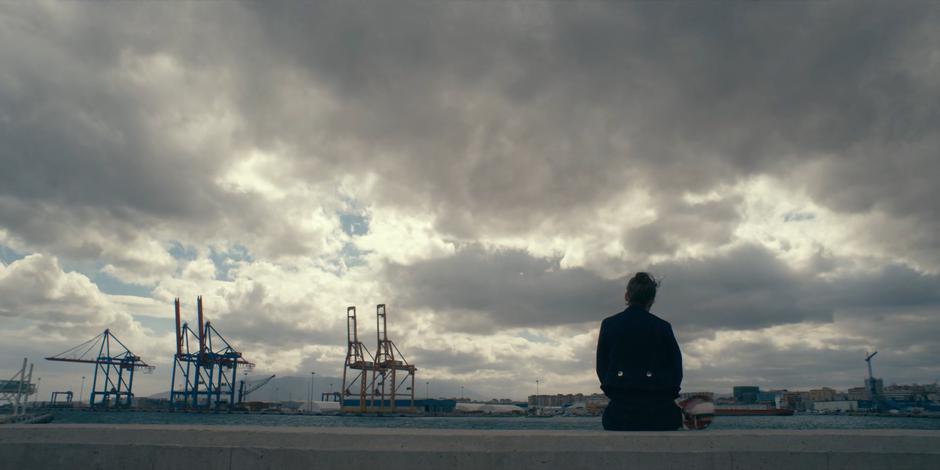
139 447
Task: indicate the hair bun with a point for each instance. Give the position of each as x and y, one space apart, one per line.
645 278
641 289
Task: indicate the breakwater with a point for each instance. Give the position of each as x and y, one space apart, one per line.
61 446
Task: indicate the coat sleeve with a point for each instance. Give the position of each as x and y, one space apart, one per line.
675 358
603 357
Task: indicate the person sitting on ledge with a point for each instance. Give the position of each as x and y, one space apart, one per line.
639 364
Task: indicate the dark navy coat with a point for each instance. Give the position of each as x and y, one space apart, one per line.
640 368
637 355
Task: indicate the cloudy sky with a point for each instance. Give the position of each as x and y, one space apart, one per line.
492 171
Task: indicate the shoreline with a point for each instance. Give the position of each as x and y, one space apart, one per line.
428 415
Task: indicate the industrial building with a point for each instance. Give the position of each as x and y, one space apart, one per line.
822 394
565 400
835 406
746 394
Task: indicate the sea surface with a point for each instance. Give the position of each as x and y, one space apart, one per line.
556 423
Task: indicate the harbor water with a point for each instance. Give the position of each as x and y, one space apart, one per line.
553 423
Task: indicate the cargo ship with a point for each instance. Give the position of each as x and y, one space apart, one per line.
751 410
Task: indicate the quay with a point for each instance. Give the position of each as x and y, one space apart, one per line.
100 446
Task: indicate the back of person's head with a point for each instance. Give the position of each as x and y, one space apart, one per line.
641 290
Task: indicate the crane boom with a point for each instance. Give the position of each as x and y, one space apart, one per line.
868 360
258 385
244 392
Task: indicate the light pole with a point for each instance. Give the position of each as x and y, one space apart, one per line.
243 387
426 387
461 392
82 394
310 405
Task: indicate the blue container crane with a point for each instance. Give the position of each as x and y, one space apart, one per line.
114 368
206 365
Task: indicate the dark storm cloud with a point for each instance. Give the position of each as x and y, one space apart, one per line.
889 287
502 115
260 327
682 223
92 153
253 316
453 362
486 291
75 133
510 114
745 288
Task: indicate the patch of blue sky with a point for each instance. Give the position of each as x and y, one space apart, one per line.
348 257
157 325
352 255
534 337
181 252
105 282
8 255
111 285
798 216
225 260
353 223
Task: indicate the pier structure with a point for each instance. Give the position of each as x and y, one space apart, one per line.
204 366
113 381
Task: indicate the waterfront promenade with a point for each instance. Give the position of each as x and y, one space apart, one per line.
138 447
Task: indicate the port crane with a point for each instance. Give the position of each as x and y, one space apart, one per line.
243 392
17 390
205 364
114 363
392 376
357 368
382 379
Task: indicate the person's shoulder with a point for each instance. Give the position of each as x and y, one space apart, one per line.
660 321
613 317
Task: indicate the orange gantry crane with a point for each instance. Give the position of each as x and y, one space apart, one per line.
383 383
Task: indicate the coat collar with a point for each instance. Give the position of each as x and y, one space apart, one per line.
635 309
